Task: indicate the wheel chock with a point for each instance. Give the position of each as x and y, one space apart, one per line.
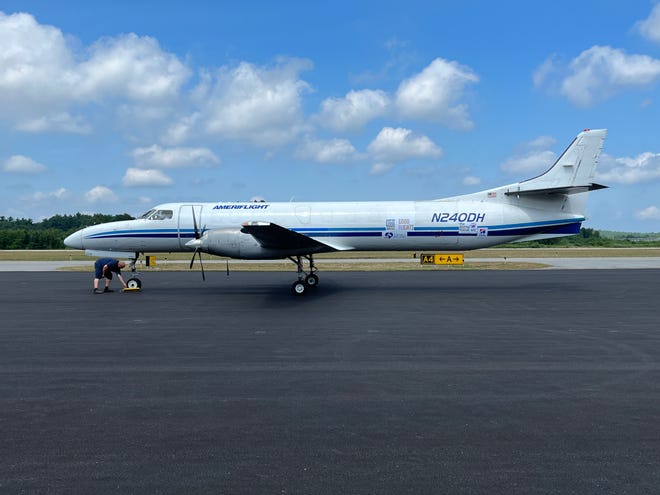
130 289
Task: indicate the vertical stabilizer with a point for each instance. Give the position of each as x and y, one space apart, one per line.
575 168
569 179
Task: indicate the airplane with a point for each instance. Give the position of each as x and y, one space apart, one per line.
549 205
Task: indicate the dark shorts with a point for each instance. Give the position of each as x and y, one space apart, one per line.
98 270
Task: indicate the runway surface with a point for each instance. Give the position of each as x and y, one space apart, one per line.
516 382
562 263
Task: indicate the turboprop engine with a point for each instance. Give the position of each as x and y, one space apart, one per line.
232 243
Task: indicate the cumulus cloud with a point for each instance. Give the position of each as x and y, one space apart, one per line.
60 122
259 104
132 67
58 194
532 161
649 28
435 94
532 157
354 110
650 213
330 151
100 194
156 156
182 129
644 167
41 75
19 164
471 180
392 146
137 177
602 71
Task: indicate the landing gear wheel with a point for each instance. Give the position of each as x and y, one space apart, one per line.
312 280
299 287
134 283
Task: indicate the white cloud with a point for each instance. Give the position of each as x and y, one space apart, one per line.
61 122
470 180
354 110
41 75
100 194
393 146
645 167
132 67
331 151
58 194
650 213
532 157
542 142
156 156
396 145
649 28
137 177
545 71
181 130
19 164
602 71
259 104
380 168
435 93
532 161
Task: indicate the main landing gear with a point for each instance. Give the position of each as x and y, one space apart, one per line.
306 280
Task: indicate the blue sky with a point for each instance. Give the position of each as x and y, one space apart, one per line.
114 107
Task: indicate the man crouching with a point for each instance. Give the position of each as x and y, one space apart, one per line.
103 268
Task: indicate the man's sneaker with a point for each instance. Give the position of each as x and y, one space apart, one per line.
108 289
97 291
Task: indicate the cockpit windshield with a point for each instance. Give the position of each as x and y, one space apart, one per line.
158 215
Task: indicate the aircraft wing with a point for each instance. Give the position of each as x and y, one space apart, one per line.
273 236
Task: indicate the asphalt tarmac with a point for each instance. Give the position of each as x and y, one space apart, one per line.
512 382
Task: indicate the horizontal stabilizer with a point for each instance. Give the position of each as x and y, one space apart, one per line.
555 190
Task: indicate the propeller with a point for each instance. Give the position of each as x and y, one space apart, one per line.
197 249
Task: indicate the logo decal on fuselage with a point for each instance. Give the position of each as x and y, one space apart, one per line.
248 206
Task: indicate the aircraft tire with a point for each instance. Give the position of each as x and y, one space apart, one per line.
299 288
312 280
134 283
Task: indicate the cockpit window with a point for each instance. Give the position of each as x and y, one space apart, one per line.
158 215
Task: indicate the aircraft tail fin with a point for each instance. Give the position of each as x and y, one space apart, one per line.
572 173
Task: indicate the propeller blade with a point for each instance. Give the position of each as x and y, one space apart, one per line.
197 236
201 265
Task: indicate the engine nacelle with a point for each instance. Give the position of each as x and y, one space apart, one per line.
235 244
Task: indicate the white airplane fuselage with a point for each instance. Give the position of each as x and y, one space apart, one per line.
345 226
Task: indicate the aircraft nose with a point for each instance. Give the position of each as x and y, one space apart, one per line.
74 240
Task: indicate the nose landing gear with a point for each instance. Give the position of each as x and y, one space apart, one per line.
134 282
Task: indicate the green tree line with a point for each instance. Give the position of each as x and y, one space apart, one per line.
23 233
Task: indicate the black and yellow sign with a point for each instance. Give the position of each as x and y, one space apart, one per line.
441 259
